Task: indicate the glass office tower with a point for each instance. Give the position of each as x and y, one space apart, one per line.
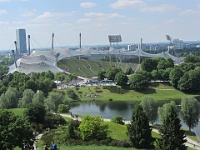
21 41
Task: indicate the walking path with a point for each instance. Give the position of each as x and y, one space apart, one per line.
35 142
190 143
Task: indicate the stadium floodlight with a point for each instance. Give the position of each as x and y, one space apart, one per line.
114 38
168 38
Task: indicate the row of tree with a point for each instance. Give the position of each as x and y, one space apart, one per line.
54 102
184 77
189 110
172 136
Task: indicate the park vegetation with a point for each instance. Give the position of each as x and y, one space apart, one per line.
37 93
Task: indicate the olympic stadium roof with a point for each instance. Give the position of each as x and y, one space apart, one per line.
42 61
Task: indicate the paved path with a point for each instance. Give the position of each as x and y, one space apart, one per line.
190 143
35 143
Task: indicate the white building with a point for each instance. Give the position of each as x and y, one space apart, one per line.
178 44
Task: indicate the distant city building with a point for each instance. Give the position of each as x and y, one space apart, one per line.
21 41
178 44
132 47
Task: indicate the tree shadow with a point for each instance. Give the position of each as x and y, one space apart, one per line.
189 133
147 91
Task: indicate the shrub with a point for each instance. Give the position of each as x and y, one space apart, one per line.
118 119
62 108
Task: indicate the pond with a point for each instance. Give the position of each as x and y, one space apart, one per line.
109 109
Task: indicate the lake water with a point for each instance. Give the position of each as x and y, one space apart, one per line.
109 109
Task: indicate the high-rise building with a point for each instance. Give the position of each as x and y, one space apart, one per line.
21 41
178 44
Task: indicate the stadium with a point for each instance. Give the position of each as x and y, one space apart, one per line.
42 61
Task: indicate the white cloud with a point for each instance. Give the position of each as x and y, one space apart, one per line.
4 23
3 12
49 15
28 13
83 20
87 5
188 12
126 3
104 15
160 8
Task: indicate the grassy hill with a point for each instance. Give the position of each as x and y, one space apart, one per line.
90 68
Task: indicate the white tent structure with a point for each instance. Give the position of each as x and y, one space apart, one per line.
42 61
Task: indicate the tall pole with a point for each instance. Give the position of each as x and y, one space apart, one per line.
29 45
15 42
80 40
140 49
13 52
52 47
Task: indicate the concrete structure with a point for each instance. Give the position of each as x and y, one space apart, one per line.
21 41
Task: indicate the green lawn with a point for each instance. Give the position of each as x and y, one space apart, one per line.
159 92
18 111
117 131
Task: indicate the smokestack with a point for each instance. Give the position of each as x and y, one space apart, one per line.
17 54
52 41
13 52
29 45
80 40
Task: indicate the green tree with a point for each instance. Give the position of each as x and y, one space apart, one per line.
35 113
63 108
14 131
155 75
187 66
190 111
172 137
192 59
27 98
30 84
163 111
102 75
149 64
72 94
150 107
59 76
140 80
139 130
38 97
175 76
110 74
10 99
121 79
49 75
53 100
118 119
52 121
165 63
184 84
93 128
129 71
190 81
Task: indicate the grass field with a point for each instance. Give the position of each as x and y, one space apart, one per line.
158 92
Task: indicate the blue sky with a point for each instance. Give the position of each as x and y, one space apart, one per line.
96 19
